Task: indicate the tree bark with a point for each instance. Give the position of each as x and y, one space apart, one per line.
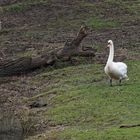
27 64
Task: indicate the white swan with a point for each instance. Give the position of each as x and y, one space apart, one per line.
115 70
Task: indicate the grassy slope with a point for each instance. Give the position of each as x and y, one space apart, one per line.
80 103
85 107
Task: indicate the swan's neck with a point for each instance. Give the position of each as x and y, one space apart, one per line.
111 54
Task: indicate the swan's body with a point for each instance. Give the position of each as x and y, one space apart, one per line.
115 70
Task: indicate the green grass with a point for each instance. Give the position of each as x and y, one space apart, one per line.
23 5
88 108
108 134
102 23
18 7
134 8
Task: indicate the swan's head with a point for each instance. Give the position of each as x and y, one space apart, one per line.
110 43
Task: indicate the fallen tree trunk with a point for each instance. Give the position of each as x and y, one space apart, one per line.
27 64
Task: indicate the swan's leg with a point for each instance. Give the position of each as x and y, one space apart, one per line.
110 82
120 82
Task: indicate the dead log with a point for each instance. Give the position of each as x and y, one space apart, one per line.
73 48
26 64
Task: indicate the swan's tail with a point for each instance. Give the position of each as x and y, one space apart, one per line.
126 77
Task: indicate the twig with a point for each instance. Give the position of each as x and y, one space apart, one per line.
129 125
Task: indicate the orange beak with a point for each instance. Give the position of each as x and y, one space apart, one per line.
108 46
